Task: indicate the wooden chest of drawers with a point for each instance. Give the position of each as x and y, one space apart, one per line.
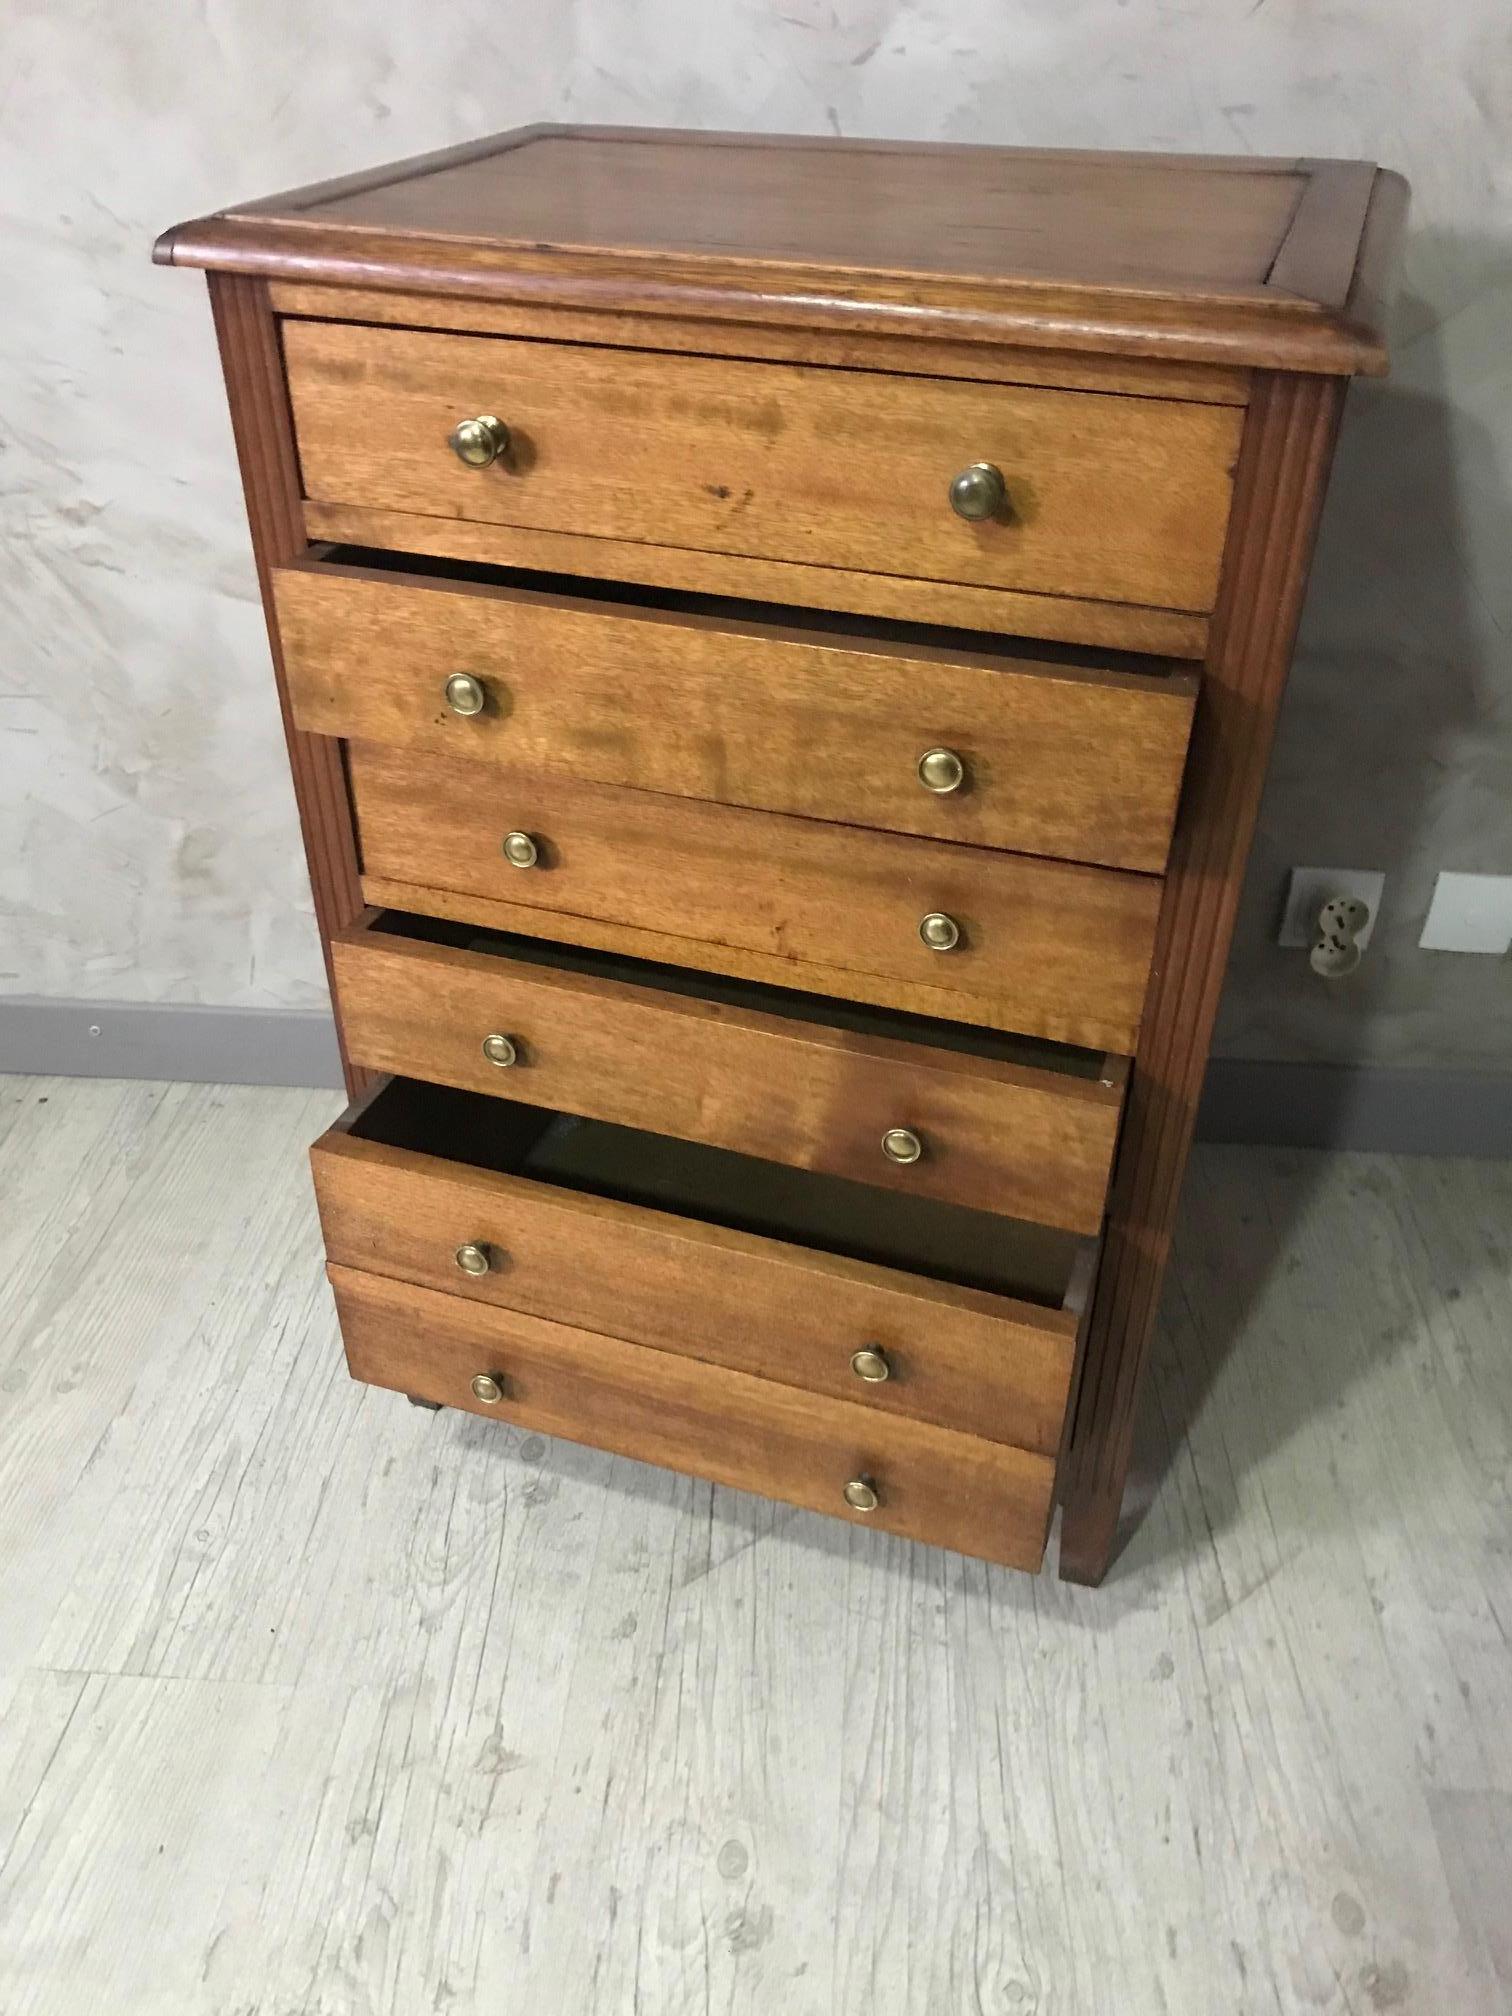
779 642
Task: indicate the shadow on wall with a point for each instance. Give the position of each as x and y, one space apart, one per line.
1395 744
1395 753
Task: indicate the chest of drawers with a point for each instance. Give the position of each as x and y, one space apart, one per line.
779 643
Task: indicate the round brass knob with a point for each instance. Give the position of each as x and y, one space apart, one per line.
901 1144
941 771
473 1259
520 851
861 1495
939 932
978 492
465 695
479 442
487 1389
871 1365
500 1050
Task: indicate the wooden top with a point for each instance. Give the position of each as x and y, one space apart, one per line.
1239 261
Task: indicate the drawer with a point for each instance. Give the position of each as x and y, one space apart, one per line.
1109 497
992 1121
925 1483
1047 948
1075 760
691 1251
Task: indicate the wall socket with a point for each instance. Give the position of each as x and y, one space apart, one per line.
1310 888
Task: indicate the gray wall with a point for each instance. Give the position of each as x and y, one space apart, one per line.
148 849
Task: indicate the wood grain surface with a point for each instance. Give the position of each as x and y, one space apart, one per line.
982 1498
1068 619
989 1363
1075 762
1124 255
697 956
1138 219
1048 948
1002 364
996 1136
1108 497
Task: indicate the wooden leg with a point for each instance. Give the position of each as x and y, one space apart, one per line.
430 1406
1088 1535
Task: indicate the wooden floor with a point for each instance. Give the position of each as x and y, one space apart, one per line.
312 1702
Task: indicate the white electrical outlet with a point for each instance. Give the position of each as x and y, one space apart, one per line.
1470 913
1311 888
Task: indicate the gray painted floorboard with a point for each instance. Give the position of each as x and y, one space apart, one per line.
313 1702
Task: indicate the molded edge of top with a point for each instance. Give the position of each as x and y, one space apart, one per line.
1278 326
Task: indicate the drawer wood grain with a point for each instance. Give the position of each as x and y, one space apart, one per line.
1047 948
808 1089
408 1177
1109 497
950 1490
895 598
1076 762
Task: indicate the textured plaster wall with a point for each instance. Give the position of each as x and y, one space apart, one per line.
147 838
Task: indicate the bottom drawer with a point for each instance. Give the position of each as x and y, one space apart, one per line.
928 1483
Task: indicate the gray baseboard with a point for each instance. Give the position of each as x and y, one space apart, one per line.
151 1039
1409 1112
1279 1104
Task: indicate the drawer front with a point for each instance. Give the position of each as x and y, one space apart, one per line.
1047 948
989 1134
960 1357
1108 497
1076 763
948 1489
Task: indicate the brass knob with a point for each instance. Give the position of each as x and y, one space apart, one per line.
871 1365
978 492
500 1050
487 1389
939 932
861 1495
901 1144
941 771
479 442
473 1259
465 695
520 851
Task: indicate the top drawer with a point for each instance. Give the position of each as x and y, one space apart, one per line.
1109 498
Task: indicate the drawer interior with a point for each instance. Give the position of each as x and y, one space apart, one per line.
829 1214
1033 1053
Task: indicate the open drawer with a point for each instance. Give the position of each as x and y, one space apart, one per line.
929 1108
949 735
901 1310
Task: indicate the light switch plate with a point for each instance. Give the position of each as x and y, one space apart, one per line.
1470 913
1310 889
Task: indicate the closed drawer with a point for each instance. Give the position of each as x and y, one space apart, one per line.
1047 948
928 1109
1108 497
767 1271
1072 760
925 1483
